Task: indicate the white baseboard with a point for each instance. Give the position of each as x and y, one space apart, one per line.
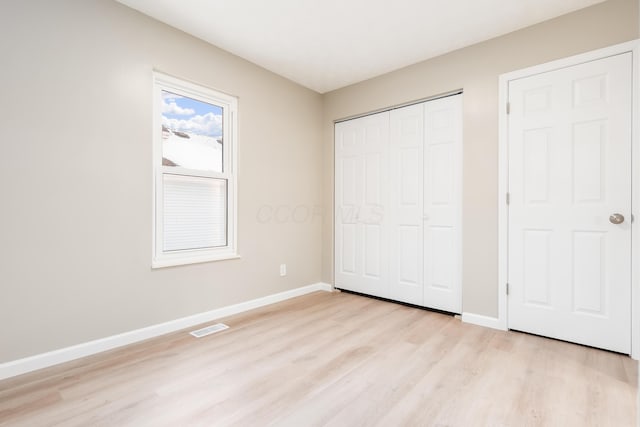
44 360
486 321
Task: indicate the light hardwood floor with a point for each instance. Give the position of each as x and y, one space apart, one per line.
333 359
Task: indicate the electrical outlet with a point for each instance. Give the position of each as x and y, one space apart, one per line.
283 269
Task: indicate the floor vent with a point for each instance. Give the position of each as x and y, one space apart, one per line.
209 330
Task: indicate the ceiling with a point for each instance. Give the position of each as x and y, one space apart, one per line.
328 44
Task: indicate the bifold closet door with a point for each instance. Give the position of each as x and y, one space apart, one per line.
398 201
442 214
361 195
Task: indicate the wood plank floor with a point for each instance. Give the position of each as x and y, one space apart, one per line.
333 359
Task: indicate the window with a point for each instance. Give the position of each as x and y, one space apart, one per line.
194 173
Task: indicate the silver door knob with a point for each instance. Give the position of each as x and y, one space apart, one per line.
616 218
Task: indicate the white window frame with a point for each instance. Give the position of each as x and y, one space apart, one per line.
229 106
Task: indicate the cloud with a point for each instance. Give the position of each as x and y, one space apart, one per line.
173 108
209 124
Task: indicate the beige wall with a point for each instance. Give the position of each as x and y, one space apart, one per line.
475 69
75 176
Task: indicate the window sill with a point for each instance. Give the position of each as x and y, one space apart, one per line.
186 260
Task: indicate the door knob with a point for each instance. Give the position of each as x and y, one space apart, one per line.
616 218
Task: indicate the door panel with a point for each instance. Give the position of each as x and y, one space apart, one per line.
347 262
406 198
441 215
537 255
588 266
536 166
443 247
569 170
372 243
361 251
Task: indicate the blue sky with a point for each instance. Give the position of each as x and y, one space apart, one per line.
189 115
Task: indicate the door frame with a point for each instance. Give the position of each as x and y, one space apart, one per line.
503 177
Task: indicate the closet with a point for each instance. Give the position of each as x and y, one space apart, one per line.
398 187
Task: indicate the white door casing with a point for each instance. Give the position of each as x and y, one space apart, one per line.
569 169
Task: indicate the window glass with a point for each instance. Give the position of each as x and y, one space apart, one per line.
191 133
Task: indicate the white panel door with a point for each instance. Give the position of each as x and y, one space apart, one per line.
442 204
361 246
406 204
569 171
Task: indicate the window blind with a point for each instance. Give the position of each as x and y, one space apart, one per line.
195 211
